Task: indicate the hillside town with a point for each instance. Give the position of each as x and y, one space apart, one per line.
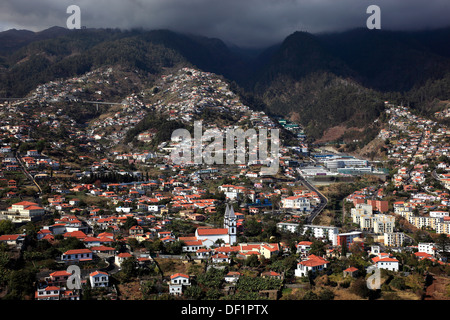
91 208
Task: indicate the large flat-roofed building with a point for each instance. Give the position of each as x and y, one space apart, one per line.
394 239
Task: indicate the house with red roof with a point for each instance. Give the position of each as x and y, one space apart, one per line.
220 258
13 239
80 235
177 282
121 258
312 264
99 279
386 263
272 274
351 271
77 255
58 278
48 293
203 253
303 247
23 211
232 276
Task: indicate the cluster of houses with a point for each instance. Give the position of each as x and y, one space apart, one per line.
151 203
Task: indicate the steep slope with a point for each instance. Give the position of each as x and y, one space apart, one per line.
302 77
325 81
391 61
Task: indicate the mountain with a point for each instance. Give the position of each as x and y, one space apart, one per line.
324 81
391 60
302 78
340 80
13 39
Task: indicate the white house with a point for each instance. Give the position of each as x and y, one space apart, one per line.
300 203
118 259
13 239
387 263
219 258
203 253
177 281
439 214
48 293
77 255
123 209
313 263
232 276
303 247
192 245
99 279
427 247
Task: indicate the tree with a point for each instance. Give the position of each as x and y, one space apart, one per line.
326 294
318 248
252 227
21 284
130 222
193 292
252 261
443 245
213 278
133 243
175 247
359 287
129 266
6 227
310 295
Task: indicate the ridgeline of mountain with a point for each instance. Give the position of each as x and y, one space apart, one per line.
323 81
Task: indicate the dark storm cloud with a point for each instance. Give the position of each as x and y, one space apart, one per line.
243 22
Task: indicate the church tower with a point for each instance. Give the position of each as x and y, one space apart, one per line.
229 222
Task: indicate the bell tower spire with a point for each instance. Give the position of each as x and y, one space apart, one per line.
229 222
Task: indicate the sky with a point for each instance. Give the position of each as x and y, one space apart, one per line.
245 23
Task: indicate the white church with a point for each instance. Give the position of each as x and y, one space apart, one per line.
227 234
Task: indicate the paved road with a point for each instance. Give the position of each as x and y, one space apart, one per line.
323 200
24 169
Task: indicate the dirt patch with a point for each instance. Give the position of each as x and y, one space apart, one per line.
332 134
373 150
345 295
335 133
326 218
438 290
171 266
130 291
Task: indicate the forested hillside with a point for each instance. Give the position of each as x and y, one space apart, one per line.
323 81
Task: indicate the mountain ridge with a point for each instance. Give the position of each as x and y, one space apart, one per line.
325 79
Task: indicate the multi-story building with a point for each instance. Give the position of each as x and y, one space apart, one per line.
394 239
348 238
427 247
299 203
424 222
383 223
323 232
23 211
